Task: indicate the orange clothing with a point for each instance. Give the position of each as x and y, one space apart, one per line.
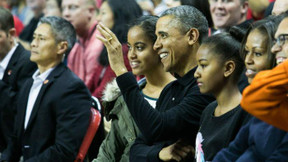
266 97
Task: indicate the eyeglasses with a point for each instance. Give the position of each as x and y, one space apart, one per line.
281 39
212 2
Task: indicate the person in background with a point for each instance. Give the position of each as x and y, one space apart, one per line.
17 22
37 7
266 97
82 59
227 13
115 16
172 3
280 6
202 6
144 61
257 140
180 31
15 69
20 9
153 7
258 9
54 110
219 69
52 8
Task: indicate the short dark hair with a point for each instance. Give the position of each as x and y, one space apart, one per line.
62 30
188 17
147 24
227 47
6 20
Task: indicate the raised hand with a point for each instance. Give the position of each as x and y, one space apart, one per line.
114 49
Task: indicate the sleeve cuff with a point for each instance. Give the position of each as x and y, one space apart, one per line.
153 155
126 81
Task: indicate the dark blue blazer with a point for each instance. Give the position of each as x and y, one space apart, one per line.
19 69
58 121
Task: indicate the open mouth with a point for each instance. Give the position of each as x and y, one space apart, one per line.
279 60
163 55
134 64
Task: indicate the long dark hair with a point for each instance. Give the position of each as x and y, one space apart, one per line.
124 11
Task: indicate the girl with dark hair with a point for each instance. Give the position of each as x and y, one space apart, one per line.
144 61
116 17
218 72
257 140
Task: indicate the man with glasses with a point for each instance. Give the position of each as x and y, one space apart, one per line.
227 13
266 98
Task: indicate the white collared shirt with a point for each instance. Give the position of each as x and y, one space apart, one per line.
34 92
4 63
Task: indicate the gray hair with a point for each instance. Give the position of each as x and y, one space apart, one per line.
62 30
187 17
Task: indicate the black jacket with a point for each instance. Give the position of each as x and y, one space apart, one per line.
19 69
177 114
58 121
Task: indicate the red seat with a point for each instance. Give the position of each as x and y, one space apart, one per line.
91 131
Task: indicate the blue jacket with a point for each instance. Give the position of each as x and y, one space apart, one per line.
256 141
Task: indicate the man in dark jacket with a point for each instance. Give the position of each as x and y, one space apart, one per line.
15 69
53 113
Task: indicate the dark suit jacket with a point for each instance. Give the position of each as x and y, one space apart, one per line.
58 121
19 69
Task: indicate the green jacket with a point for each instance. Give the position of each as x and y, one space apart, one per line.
116 145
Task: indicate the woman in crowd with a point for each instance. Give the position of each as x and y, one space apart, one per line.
266 98
115 15
257 140
218 72
144 61
52 8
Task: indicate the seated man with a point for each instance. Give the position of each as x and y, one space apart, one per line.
53 113
15 69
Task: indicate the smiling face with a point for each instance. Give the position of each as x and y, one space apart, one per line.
210 70
257 55
226 14
171 44
143 59
281 51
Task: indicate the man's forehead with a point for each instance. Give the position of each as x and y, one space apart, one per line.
167 23
43 30
282 28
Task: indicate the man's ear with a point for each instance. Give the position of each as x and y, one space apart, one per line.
62 47
193 36
229 68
